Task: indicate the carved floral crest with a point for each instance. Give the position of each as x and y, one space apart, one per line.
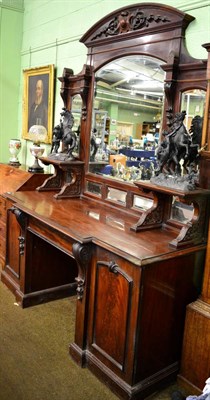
127 21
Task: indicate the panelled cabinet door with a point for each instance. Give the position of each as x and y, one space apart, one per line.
13 246
114 315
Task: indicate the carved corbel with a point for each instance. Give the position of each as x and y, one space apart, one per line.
155 216
67 178
22 220
159 215
193 232
82 255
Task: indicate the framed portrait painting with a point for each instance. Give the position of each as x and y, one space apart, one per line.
38 98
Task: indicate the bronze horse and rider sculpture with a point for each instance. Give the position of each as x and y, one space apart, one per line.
179 145
64 133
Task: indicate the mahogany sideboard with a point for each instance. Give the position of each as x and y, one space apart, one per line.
132 287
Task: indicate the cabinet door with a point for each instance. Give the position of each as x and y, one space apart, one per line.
13 247
114 308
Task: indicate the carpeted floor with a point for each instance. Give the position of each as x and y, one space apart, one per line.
34 358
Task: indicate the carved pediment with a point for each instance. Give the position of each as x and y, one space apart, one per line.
140 17
126 22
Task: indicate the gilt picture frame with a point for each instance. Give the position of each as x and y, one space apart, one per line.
38 99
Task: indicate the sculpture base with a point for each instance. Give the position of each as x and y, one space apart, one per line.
67 179
184 183
61 157
194 231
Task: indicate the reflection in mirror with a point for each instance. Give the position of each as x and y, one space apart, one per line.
76 110
116 195
181 212
193 102
127 112
142 203
94 188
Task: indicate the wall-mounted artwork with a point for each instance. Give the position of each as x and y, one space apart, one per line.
38 99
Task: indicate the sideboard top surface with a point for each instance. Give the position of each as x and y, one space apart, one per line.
87 220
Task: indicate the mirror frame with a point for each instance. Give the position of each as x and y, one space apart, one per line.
142 29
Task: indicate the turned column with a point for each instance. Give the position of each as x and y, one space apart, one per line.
195 361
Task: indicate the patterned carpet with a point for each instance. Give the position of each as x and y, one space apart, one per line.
34 357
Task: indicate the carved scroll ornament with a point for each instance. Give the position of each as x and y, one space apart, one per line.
22 221
126 22
82 254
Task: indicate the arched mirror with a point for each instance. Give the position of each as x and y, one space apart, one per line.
77 114
131 85
193 102
127 115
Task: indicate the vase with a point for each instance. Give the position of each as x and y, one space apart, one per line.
14 148
36 151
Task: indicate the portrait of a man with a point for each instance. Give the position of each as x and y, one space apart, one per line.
38 95
38 103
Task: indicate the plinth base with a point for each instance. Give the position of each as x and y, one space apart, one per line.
67 179
193 232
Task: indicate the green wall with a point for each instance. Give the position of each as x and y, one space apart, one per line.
11 21
51 33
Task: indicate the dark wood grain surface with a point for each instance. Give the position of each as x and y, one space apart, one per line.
86 219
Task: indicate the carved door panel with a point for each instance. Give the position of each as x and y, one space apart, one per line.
114 312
